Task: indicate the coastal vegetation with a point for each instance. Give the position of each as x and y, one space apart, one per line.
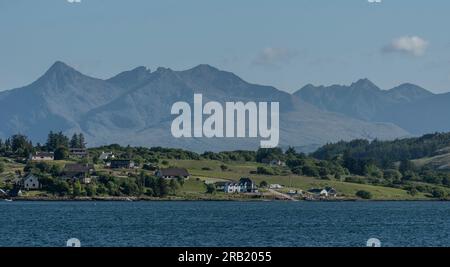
379 170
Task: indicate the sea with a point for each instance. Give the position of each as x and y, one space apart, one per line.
224 224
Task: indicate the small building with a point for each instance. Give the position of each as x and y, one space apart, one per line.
275 186
220 186
42 156
325 192
247 185
274 162
121 164
232 187
172 173
15 192
277 162
331 191
78 152
106 155
15 181
31 182
80 172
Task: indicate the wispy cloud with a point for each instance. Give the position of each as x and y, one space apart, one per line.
412 45
274 56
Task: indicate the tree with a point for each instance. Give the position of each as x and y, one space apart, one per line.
439 193
74 142
62 188
81 141
55 140
223 167
130 188
2 167
180 181
210 188
413 191
406 166
269 154
364 194
264 171
20 145
162 186
91 190
173 186
61 153
76 189
263 184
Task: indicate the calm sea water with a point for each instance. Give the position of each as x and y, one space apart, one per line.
224 223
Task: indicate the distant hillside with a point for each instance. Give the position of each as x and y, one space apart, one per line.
133 108
385 152
408 106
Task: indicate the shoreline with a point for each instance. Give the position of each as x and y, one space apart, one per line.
178 199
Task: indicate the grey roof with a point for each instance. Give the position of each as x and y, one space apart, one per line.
78 167
245 180
175 172
43 154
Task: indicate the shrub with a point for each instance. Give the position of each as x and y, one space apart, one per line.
264 171
210 188
263 184
364 194
439 193
354 179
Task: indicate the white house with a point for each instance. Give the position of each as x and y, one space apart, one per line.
31 182
42 156
319 192
277 162
232 188
325 192
245 185
275 186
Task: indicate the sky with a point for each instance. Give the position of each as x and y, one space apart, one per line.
284 43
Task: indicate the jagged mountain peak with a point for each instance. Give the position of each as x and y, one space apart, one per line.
410 88
61 68
364 84
131 78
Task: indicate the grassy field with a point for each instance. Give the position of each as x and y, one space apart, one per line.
210 171
441 162
238 170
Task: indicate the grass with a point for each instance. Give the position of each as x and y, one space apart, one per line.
238 170
210 171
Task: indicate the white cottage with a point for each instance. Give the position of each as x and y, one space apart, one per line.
31 182
232 188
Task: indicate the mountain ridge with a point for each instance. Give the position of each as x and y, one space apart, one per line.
133 107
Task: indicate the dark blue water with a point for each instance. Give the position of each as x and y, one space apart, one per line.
225 223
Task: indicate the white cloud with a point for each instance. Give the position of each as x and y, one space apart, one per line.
274 56
412 45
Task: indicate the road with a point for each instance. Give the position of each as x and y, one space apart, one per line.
281 195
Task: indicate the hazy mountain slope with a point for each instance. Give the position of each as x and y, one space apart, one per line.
364 100
143 113
56 101
134 108
431 114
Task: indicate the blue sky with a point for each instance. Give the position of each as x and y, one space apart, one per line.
285 43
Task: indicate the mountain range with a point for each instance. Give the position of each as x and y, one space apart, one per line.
408 106
133 108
